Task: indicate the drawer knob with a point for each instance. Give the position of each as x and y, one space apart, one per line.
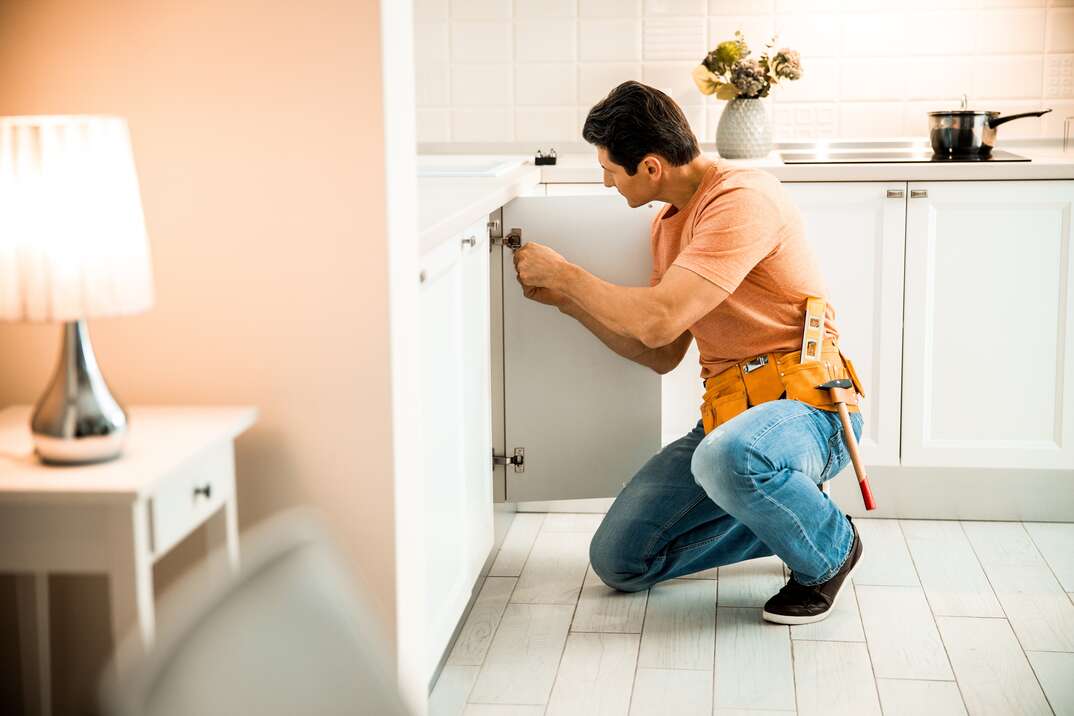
205 491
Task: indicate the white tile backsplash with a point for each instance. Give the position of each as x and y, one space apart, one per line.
1008 31
546 84
674 38
528 70
604 40
1009 76
533 9
546 41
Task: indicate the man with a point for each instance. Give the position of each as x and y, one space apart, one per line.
731 269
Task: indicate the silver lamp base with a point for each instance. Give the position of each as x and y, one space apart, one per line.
77 421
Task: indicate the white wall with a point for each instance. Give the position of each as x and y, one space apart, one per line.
529 70
258 136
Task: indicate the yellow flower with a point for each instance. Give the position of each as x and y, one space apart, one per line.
705 80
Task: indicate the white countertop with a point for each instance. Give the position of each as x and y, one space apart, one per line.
448 205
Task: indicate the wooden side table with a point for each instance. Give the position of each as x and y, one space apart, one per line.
118 517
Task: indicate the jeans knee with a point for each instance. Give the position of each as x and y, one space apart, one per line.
608 562
718 463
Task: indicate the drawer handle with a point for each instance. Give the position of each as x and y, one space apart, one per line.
895 194
205 491
918 193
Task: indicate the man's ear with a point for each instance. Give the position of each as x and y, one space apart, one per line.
652 166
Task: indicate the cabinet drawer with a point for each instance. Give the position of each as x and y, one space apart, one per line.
188 496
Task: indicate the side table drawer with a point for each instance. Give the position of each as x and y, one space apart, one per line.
187 497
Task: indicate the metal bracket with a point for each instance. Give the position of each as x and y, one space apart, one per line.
512 241
518 459
495 225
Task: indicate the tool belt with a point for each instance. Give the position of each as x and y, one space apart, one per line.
771 376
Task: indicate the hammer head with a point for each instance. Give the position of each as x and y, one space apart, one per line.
839 383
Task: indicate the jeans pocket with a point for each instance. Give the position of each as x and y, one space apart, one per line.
837 456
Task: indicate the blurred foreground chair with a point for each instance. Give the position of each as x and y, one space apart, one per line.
289 635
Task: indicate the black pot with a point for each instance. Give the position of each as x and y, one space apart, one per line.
966 133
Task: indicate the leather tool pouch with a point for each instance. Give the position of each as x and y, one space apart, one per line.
772 376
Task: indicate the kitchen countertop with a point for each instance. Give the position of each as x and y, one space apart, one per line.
448 205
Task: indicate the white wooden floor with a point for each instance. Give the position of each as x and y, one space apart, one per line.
945 617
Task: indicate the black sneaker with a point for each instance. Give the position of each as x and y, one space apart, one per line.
798 604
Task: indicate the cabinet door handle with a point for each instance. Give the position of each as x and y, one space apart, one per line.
895 194
206 491
919 193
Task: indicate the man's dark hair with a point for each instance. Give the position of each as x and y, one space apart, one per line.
635 120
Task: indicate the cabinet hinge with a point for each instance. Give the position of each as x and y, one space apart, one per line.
518 459
512 241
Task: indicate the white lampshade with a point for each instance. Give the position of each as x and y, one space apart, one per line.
73 243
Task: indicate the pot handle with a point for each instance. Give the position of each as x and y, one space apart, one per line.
1000 120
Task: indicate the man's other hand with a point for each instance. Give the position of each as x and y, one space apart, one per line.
538 265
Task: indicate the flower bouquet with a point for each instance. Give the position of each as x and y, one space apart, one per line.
731 74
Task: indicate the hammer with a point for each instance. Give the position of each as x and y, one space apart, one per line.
841 393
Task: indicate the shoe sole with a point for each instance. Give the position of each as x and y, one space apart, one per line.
787 619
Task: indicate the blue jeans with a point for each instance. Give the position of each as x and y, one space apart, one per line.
748 489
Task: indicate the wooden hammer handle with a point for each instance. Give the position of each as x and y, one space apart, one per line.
852 448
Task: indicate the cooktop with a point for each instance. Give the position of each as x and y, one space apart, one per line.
876 157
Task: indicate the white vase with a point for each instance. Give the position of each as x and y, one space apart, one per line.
744 131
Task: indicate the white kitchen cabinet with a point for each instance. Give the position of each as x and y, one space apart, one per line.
857 230
584 418
456 428
988 358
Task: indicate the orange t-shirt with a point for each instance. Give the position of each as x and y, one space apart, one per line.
741 231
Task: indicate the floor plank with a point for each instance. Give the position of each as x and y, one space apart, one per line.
476 634
954 581
1055 672
521 664
680 625
451 690
596 675
992 670
603 609
753 661
885 560
903 640
907 697
517 544
502 710
672 691
1037 607
1055 540
703 574
572 522
554 572
834 678
843 624
750 583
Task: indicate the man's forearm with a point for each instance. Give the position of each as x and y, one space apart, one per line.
625 346
625 311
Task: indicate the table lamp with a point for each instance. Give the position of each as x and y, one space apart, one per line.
73 246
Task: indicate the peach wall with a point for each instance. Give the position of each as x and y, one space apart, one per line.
258 137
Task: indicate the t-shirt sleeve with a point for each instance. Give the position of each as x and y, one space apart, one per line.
732 235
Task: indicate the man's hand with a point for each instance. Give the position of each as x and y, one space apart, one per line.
547 296
539 266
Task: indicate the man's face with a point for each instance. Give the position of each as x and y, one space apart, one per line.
639 189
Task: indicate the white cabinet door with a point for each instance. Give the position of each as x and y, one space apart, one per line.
443 420
988 377
586 417
856 231
477 399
